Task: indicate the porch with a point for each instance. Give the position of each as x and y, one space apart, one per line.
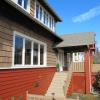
75 56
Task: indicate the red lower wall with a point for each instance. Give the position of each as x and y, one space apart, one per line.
78 83
15 82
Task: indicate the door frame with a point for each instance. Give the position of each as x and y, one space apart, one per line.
61 59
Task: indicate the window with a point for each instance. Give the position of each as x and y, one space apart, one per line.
28 51
37 10
18 50
23 3
41 54
44 17
40 13
35 56
50 23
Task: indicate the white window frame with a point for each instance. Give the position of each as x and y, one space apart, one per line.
28 6
23 52
49 15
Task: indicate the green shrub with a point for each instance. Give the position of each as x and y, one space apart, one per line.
98 81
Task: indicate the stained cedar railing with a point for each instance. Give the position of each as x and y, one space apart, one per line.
95 68
78 67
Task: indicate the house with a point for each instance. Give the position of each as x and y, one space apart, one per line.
30 49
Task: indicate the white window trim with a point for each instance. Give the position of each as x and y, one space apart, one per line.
23 55
49 15
28 6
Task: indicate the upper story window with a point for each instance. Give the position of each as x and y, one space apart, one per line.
44 17
25 4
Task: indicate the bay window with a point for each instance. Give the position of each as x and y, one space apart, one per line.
28 51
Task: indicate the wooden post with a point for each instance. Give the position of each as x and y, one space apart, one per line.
91 64
87 70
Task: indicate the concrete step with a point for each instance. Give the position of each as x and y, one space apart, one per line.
57 84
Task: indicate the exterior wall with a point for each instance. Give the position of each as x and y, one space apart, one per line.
77 84
18 82
32 8
7 27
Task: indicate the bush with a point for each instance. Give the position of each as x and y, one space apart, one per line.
97 84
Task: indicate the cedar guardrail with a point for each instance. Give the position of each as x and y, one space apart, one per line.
95 68
78 67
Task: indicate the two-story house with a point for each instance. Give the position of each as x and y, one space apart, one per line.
30 49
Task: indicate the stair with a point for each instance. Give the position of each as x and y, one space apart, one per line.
57 84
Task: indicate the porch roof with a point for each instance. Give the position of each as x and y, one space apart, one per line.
80 39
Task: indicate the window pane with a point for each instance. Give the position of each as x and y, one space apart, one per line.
47 19
50 23
20 2
37 11
35 54
25 4
40 13
41 54
44 17
27 52
18 50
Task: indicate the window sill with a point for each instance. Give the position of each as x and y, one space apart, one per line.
23 67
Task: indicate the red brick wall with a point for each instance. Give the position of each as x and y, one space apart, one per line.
15 82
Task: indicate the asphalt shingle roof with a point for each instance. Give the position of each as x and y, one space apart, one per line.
80 39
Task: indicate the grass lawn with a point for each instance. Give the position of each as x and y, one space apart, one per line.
85 97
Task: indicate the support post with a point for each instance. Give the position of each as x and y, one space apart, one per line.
87 70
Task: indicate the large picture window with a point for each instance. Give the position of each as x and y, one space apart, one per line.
28 51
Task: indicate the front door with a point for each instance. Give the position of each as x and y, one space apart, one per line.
61 59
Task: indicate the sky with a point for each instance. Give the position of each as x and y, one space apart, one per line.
78 16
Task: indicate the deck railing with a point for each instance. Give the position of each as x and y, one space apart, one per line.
95 68
78 67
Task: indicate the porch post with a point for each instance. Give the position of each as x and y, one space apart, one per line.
87 70
91 64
